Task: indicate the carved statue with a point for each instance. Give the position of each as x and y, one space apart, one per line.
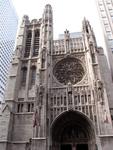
37 112
43 57
36 117
92 52
18 51
40 91
44 53
36 122
91 47
69 88
106 119
100 90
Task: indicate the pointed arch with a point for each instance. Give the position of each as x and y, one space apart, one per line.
24 74
33 75
36 42
28 44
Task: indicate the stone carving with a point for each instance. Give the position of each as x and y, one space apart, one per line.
36 121
91 47
69 88
69 70
37 112
43 57
92 52
106 119
100 90
67 37
44 53
18 51
40 91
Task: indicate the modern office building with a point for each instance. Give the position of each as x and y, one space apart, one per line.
8 29
58 91
105 10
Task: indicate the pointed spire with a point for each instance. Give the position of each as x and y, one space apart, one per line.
86 25
67 34
67 41
48 6
47 11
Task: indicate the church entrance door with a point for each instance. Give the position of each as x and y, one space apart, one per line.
66 147
72 130
82 147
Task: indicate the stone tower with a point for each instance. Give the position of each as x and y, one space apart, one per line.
59 94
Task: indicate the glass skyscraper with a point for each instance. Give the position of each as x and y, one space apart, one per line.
8 29
105 9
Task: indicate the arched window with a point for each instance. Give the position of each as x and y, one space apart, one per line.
28 44
20 108
24 74
33 75
36 43
29 107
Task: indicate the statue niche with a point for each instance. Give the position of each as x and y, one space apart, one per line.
67 38
69 89
43 55
37 112
100 91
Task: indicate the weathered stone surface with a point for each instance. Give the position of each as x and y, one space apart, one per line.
49 103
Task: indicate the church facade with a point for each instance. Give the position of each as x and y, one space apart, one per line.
59 94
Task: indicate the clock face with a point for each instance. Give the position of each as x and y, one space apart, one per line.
68 70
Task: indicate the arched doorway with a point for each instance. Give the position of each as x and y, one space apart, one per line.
72 130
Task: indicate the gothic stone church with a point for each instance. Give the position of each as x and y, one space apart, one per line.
59 94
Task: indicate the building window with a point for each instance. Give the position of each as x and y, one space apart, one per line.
33 75
36 43
102 8
24 74
111 13
110 7
105 22
110 37
100 3
30 107
20 108
103 14
107 28
108 2
31 98
21 99
28 44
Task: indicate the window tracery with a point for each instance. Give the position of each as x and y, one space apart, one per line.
33 75
69 70
36 43
24 74
28 44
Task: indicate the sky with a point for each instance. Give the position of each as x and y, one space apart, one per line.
67 14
